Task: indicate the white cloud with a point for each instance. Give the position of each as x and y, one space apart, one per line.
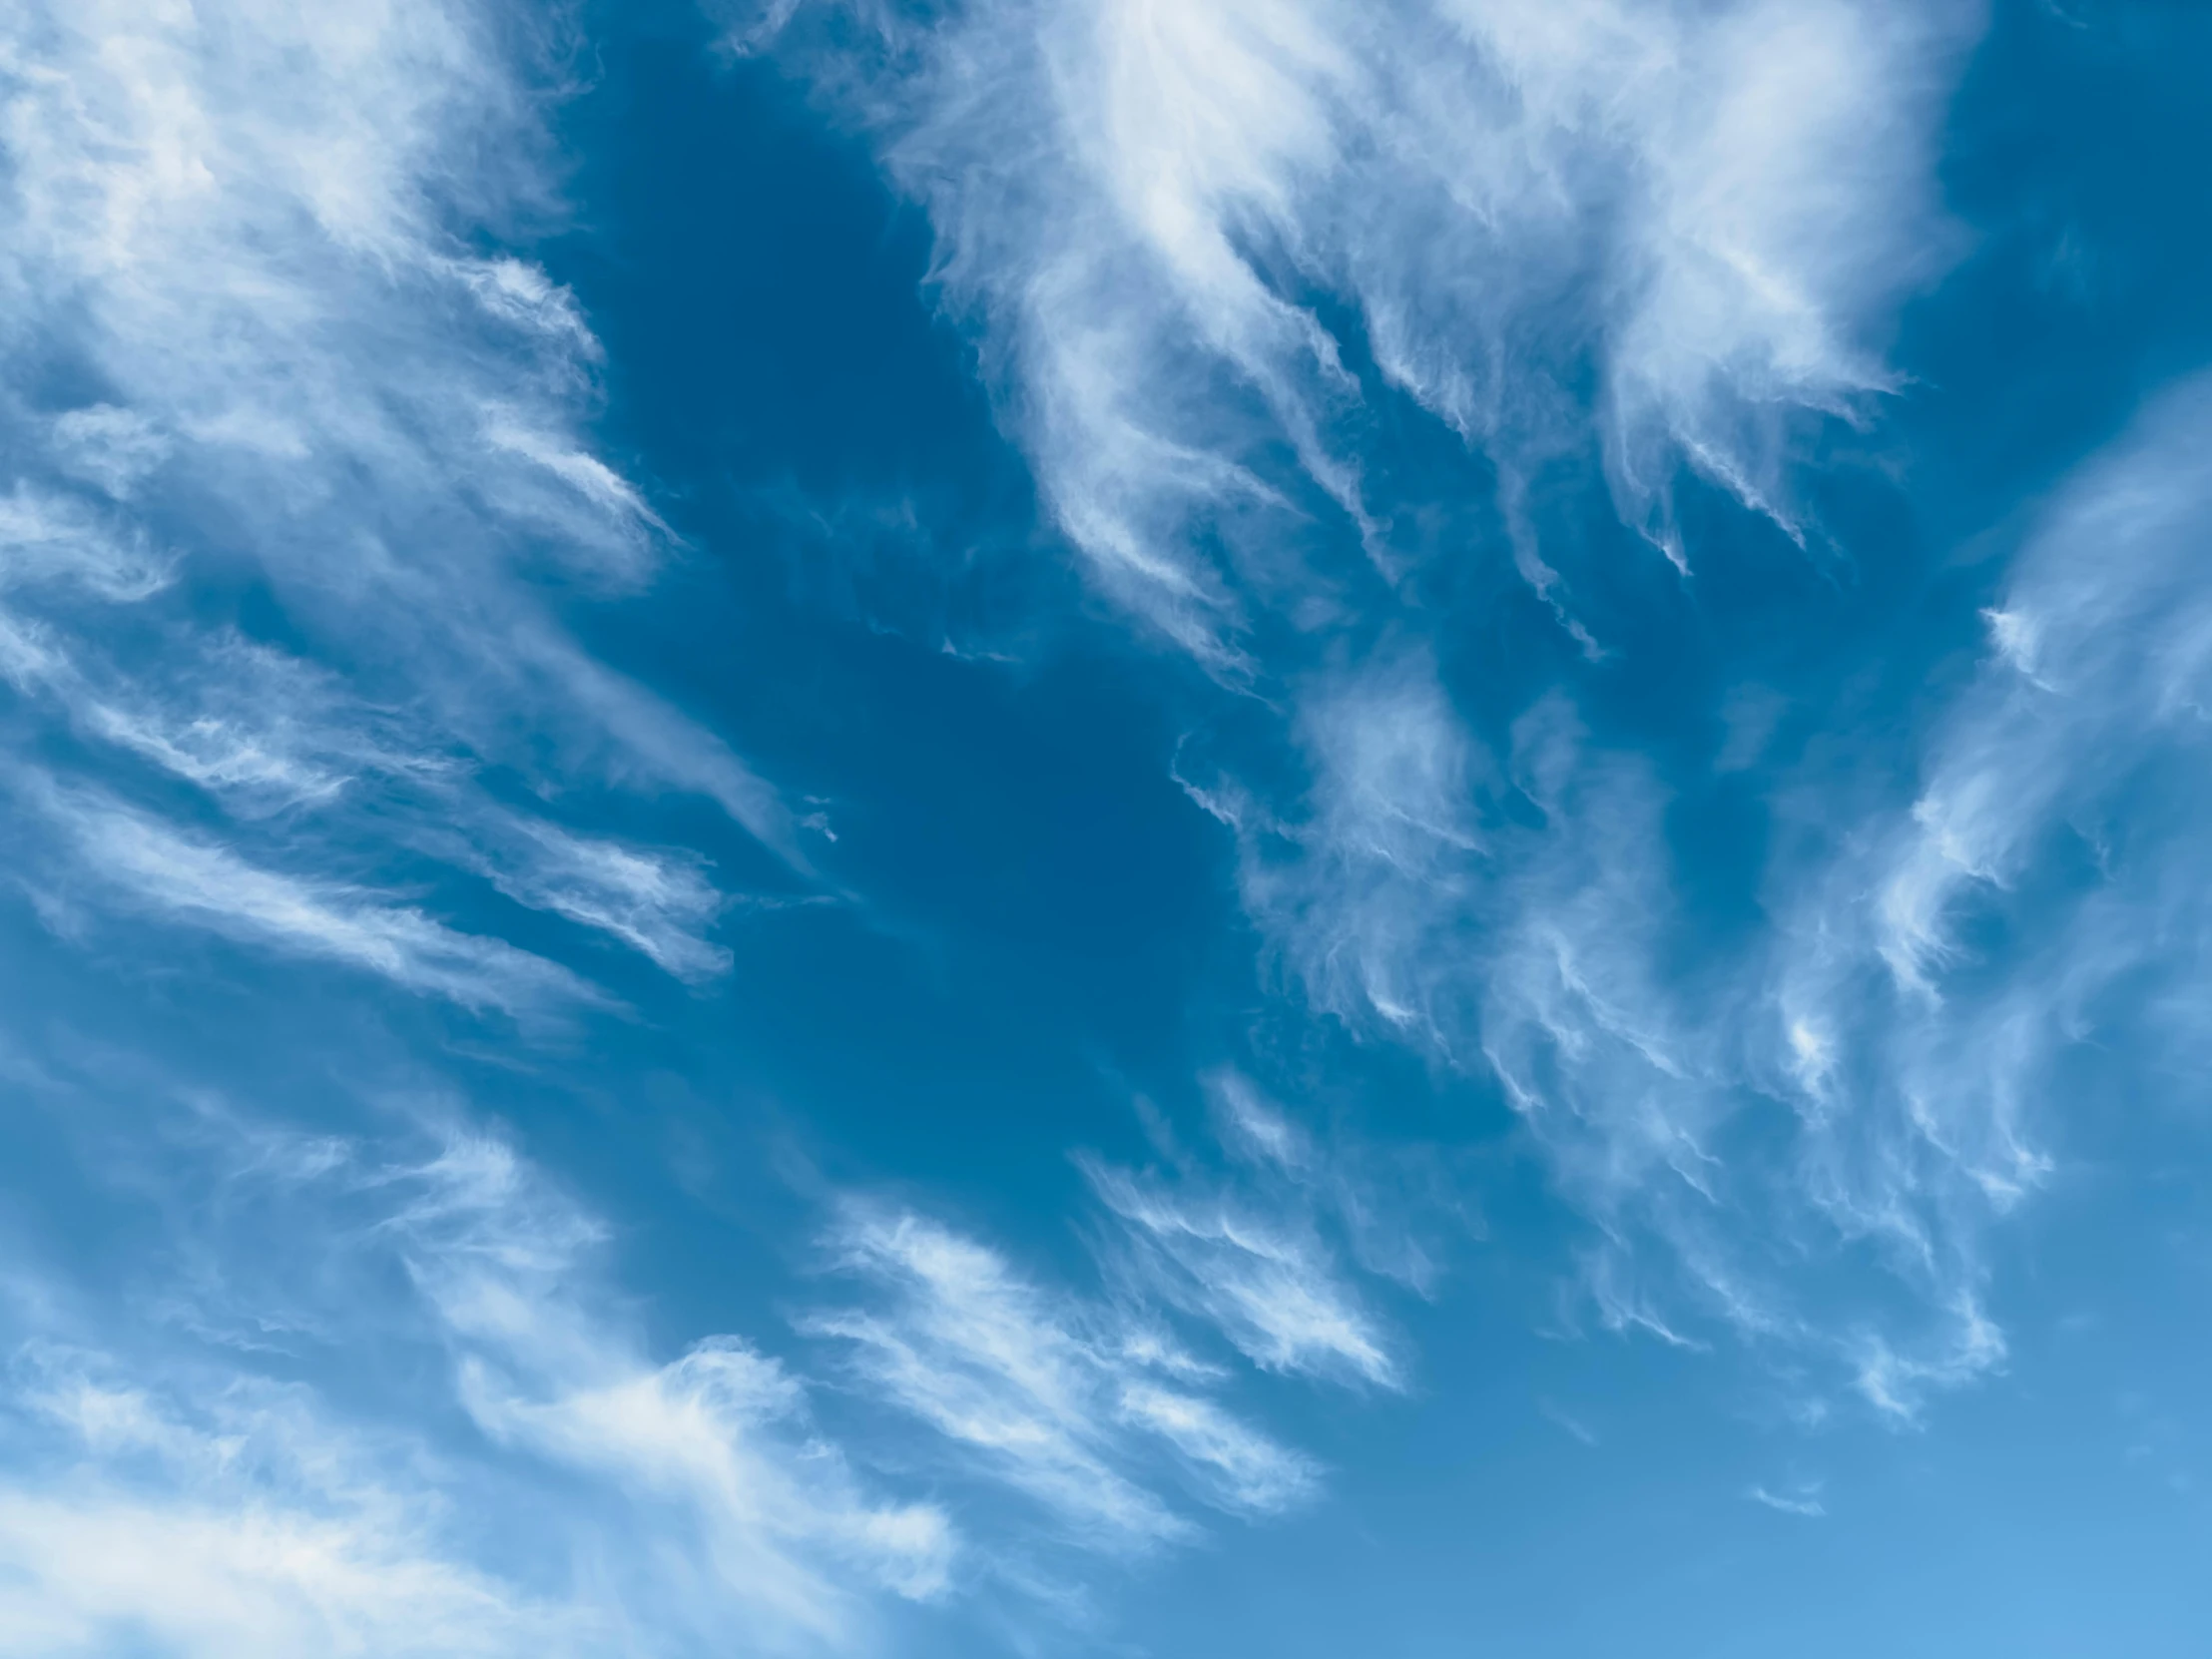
109 447
1803 1501
718 1436
1410 902
1927 1071
150 867
248 230
92 1569
1246 1470
984 1358
692 1431
1064 1400
616 1502
1917 1071
660 903
261 730
1263 1276
1517 916
1102 1408
1719 203
1360 894
248 1524
2099 650
1708 213
51 540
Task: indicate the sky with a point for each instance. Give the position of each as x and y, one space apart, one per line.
944 828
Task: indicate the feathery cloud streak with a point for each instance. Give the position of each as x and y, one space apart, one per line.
1072 1400
249 348
1713 207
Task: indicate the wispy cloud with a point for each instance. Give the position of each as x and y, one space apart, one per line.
1240 1467
1059 1398
1922 1068
1568 1424
1716 205
658 902
1803 1501
245 1524
1918 1072
218 1506
153 868
253 237
1111 1407
1510 914
1265 1279
982 1358
717 1438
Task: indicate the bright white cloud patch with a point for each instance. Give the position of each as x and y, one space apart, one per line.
713 1447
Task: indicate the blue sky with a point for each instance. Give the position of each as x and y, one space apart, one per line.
1263 827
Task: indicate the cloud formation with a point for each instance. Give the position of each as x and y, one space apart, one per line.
254 354
1249 1250
1711 207
1066 1400
1312 318
284 1426
229 1497
249 1525
1120 1412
